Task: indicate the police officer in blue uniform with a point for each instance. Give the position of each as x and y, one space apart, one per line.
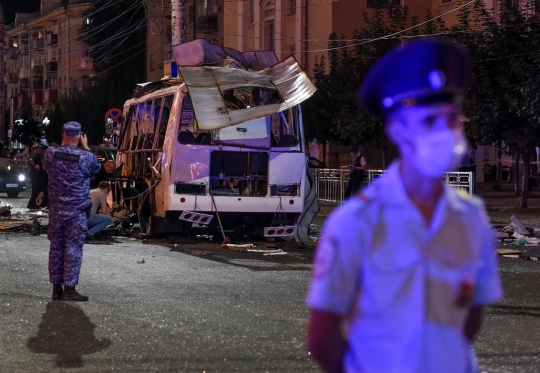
69 169
403 270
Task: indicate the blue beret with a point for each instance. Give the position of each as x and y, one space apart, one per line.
428 71
72 128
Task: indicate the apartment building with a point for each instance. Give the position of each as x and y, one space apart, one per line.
45 57
302 27
203 20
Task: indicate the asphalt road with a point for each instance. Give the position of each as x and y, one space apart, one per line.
196 308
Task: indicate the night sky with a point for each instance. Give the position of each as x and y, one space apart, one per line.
19 6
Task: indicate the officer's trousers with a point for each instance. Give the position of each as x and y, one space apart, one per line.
66 231
36 188
353 186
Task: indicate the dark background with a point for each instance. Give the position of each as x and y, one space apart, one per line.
20 6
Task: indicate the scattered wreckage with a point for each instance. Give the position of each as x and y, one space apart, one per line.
222 141
527 245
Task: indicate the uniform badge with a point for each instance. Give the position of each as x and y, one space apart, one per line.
324 256
74 158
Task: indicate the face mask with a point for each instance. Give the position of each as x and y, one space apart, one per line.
435 153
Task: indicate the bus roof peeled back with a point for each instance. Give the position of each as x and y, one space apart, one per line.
207 87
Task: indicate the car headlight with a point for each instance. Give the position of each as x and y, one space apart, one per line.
22 178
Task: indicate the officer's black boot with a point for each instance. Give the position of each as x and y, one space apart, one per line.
57 292
70 294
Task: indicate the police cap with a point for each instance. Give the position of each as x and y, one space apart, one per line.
72 128
421 72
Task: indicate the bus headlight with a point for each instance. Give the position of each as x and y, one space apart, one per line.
22 178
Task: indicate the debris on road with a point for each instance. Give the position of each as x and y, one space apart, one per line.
200 253
509 252
141 261
522 241
518 227
279 252
264 251
23 222
5 210
243 245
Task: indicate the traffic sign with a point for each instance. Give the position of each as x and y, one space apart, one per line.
113 119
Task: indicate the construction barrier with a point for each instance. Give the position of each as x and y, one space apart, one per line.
330 184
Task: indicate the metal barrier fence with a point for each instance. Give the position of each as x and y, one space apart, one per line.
330 184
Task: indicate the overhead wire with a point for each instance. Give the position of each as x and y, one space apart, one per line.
382 37
73 24
226 7
122 32
93 32
82 39
140 24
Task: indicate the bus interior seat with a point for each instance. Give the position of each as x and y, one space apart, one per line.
187 137
203 138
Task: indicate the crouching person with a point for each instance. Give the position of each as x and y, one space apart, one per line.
100 213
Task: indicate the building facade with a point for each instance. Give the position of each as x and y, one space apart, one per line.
45 55
301 27
203 20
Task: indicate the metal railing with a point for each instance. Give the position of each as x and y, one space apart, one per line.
330 184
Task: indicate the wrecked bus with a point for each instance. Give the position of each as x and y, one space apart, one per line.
221 141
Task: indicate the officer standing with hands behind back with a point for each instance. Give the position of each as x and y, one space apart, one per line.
403 270
69 170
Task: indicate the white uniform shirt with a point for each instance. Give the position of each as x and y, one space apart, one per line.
396 281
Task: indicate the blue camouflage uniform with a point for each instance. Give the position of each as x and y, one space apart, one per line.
69 170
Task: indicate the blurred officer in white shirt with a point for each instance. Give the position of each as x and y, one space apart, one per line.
402 271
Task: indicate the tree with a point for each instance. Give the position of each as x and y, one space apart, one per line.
333 111
501 99
87 106
503 93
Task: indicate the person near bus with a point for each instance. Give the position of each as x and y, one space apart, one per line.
356 175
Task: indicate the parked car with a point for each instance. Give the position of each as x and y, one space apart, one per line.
104 153
12 182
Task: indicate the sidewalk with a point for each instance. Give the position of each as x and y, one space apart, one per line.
504 200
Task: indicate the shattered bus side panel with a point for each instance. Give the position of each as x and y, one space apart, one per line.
168 157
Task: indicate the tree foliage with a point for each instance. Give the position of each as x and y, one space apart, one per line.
87 106
501 99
